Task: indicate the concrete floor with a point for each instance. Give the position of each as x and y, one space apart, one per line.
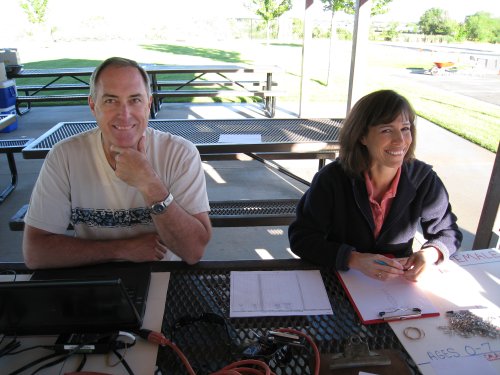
464 167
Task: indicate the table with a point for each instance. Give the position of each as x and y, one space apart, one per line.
9 147
280 138
204 288
198 74
469 282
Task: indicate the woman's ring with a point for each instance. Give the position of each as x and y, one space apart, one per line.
379 275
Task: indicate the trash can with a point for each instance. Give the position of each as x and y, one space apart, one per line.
8 102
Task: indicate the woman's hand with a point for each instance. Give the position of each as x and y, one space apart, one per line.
419 262
375 265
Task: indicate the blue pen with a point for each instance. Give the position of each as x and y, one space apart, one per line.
381 262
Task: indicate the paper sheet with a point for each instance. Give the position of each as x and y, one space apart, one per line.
463 284
278 293
371 296
240 138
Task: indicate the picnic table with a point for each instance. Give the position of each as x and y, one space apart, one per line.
196 293
264 140
196 81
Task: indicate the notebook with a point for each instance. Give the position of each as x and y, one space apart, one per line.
43 307
135 277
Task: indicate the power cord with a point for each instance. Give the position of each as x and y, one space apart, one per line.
236 368
128 341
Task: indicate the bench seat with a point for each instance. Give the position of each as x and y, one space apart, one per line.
214 93
54 87
236 213
46 99
202 83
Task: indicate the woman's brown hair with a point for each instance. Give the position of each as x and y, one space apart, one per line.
376 108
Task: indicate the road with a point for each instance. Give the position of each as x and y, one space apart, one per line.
478 83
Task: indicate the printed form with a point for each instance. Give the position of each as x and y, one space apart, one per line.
278 293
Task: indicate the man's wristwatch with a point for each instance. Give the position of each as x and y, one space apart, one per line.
161 207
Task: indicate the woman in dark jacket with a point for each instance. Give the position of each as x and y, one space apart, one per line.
362 210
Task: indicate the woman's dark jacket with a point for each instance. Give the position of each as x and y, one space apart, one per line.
334 217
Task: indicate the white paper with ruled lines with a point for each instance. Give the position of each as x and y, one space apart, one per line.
278 293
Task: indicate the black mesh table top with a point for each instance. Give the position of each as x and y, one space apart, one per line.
201 291
13 145
277 135
196 318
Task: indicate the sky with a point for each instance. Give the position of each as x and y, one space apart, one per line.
135 15
412 10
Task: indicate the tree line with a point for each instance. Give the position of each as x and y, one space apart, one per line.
479 27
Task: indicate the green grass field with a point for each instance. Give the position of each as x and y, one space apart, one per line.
472 119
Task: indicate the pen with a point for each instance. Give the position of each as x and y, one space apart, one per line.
381 262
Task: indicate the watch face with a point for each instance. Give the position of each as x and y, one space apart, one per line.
158 208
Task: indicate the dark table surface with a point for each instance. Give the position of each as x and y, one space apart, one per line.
205 288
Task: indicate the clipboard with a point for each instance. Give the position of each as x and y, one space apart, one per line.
378 301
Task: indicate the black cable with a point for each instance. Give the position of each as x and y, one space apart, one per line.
13 272
9 347
48 347
33 363
82 363
123 362
54 362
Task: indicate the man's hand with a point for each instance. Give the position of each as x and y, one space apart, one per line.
133 167
143 248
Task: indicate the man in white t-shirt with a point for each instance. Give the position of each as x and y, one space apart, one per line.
131 193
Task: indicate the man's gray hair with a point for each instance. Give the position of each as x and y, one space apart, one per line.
119 62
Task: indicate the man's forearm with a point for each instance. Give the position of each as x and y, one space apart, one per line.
47 250
184 234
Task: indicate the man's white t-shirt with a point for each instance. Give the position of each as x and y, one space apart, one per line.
76 184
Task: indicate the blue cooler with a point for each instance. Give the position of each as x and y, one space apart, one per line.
8 102
7 93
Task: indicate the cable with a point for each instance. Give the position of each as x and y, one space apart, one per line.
123 362
9 347
48 347
317 359
54 362
7 271
35 362
82 363
236 368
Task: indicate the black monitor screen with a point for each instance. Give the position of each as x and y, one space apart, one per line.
63 306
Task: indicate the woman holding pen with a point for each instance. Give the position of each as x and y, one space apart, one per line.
362 210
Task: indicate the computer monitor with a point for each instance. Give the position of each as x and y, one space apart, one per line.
55 307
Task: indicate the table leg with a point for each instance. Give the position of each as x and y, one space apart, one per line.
270 101
155 106
13 171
